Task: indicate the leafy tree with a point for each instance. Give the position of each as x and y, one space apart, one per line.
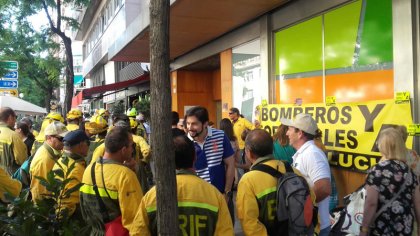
53 8
118 108
20 42
47 217
143 106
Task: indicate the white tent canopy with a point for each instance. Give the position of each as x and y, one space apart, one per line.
21 106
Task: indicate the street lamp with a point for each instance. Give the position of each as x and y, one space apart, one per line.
21 95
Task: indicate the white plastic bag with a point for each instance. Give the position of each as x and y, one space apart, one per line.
351 217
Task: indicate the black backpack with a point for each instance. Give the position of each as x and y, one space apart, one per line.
293 201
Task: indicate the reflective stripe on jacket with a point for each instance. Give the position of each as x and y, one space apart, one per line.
202 210
124 197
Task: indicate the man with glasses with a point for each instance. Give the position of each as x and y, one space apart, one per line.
76 147
240 125
45 157
13 149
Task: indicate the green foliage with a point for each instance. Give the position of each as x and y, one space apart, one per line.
118 108
143 106
14 18
47 217
38 70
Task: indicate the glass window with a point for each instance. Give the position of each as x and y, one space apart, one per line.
348 49
246 72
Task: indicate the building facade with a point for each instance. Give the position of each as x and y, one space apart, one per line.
101 24
243 54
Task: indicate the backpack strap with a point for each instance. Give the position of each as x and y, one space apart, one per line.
288 167
268 169
102 207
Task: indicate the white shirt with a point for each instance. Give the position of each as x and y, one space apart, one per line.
313 165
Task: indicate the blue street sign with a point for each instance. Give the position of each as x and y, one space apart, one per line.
12 75
8 84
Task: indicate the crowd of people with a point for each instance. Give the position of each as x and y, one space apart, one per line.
110 166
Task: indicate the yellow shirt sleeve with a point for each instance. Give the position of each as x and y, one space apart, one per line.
248 124
99 151
19 149
8 185
224 224
145 149
129 195
247 208
140 226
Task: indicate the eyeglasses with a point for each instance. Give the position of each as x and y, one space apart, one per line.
231 113
59 138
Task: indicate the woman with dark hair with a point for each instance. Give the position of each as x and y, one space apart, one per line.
227 127
282 149
27 137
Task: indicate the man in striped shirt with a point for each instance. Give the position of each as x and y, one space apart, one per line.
215 162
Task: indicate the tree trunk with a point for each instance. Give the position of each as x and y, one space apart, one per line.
161 137
69 75
47 99
69 54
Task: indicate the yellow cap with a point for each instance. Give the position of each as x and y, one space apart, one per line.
103 112
97 124
133 123
74 114
55 116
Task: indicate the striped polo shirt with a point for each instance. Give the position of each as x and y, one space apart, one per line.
209 164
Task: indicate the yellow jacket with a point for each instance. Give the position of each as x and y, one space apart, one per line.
256 197
42 163
97 153
8 185
72 127
239 126
35 133
12 149
124 198
77 174
141 147
93 146
202 209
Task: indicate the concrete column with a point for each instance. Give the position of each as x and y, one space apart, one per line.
405 24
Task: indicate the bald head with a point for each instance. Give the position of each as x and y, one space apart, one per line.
259 142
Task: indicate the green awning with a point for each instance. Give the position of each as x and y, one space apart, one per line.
78 79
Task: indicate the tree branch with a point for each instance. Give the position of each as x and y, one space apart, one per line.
40 83
44 5
59 15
